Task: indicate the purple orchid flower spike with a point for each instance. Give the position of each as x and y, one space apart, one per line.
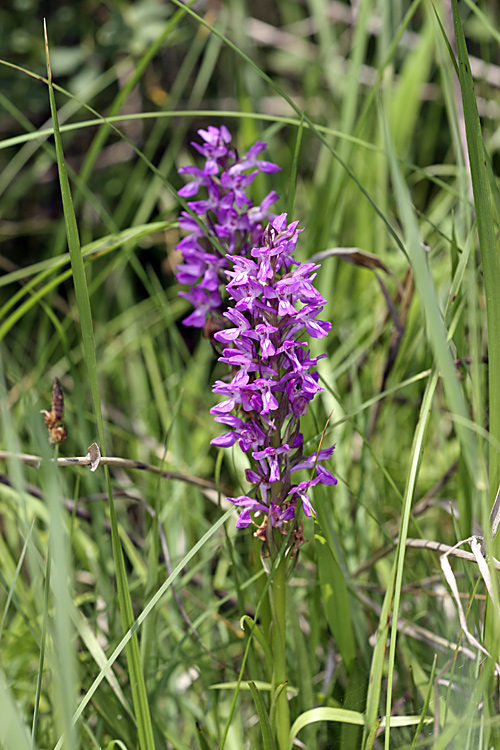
232 223
258 304
274 380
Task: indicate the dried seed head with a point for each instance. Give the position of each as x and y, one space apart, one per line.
49 418
57 400
298 539
52 418
57 434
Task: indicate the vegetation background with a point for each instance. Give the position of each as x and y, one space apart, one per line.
375 165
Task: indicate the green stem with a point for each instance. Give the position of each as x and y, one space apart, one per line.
278 640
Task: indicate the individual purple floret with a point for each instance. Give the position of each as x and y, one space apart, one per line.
232 223
272 305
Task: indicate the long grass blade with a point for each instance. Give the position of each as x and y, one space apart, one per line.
13 731
487 244
137 682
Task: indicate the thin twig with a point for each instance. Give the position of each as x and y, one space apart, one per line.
418 544
123 463
445 548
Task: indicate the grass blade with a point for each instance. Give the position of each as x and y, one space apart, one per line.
137 682
487 244
265 724
13 732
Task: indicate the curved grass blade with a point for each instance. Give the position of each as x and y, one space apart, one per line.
256 632
132 630
43 269
137 682
345 716
341 715
293 170
100 247
300 114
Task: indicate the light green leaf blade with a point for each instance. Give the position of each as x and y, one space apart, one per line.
265 724
335 601
137 682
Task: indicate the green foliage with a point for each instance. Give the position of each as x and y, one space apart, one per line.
268 742
132 614
335 601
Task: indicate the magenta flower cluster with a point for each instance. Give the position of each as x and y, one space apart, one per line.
274 305
228 219
271 305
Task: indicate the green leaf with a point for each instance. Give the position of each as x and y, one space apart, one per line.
16 574
136 676
335 601
13 731
372 720
255 632
119 725
131 631
430 686
350 735
265 724
340 715
200 736
344 716
281 690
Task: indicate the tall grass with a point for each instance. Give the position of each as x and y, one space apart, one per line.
132 614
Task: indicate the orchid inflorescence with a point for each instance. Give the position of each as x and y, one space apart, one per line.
229 220
271 303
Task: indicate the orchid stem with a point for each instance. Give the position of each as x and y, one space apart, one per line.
278 604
